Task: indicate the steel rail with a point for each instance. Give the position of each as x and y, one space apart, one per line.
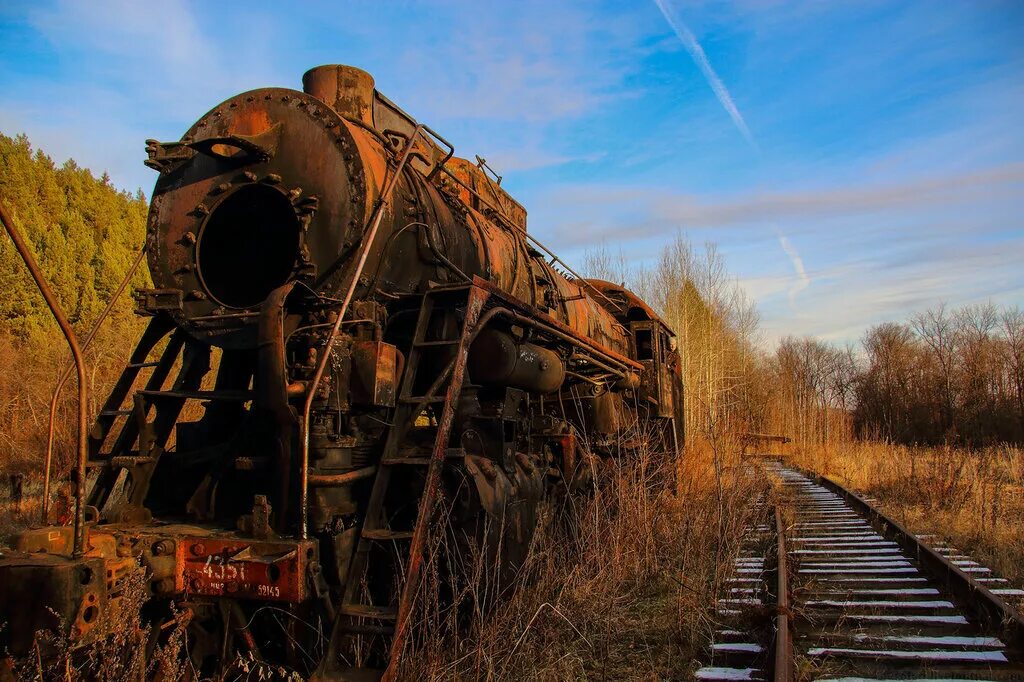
66 374
324 358
783 634
76 354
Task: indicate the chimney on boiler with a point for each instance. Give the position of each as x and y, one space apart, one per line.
346 89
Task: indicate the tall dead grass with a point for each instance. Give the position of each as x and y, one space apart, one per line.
620 587
974 498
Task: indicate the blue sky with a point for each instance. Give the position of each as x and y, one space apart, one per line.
854 161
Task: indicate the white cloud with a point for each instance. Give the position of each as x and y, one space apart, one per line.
657 210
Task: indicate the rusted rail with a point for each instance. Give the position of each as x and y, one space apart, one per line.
76 353
783 634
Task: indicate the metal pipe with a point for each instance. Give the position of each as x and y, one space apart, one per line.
330 480
66 374
76 353
321 364
578 342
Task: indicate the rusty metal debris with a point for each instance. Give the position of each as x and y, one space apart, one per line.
349 325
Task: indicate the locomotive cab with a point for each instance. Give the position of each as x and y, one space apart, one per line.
655 349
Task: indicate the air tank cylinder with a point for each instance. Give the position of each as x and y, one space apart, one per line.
498 358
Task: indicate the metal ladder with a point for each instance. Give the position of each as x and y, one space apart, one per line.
445 386
150 411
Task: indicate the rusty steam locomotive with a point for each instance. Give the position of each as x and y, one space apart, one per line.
348 324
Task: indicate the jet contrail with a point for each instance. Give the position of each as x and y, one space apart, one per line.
697 52
804 280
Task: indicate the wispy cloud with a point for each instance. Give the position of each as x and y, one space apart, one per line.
666 211
697 52
803 280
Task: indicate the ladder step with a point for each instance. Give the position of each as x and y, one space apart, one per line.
142 365
412 400
115 413
444 342
370 611
233 396
385 534
365 629
120 462
450 453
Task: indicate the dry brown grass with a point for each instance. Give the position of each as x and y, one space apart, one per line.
621 585
622 589
974 498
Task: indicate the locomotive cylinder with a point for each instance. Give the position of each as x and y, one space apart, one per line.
498 358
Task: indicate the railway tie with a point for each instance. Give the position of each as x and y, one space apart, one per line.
868 607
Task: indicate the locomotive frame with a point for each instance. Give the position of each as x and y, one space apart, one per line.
388 332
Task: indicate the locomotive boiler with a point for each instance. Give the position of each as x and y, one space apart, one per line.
349 325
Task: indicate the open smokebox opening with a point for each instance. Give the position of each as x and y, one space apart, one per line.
248 246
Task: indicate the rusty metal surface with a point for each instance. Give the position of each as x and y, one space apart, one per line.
366 245
242 569
377 367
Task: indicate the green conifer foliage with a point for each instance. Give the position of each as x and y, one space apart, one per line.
84 233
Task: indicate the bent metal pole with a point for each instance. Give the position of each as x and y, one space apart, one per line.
66 374
76 353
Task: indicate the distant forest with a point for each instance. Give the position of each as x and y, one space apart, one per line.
946 376
85 233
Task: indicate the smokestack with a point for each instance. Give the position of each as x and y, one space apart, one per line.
346 89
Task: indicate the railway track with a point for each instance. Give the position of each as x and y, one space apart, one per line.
857 597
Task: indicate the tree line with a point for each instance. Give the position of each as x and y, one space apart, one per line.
85 234
944 376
